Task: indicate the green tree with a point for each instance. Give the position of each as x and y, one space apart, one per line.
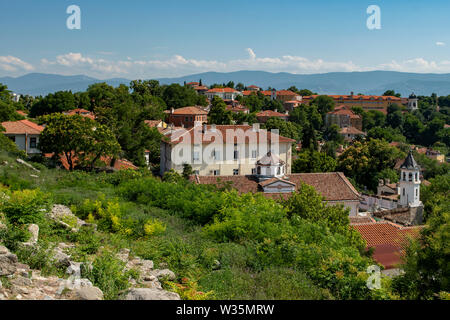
324 104
218 113
78 139
313 161
286 129
176 96
364 160
392 93
54 102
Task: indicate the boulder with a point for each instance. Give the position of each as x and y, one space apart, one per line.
60 258
165 273
3 250
8 264
86 293
74 268
34 230
150 294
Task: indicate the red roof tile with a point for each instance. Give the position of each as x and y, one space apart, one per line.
388 240
333 186
189 110
176 136
22 127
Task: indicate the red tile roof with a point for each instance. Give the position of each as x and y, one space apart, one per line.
388 240
350 130
153 123
22 127
222 90
333 186
270 113
344 110
176 136
189 110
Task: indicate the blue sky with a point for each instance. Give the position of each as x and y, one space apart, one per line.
148 39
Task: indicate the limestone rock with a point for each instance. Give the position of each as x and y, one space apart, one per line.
86 293
8 264
150 294
165 273
34 230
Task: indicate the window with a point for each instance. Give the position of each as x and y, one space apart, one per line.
235 172
254 154
253 171
417 192
417 178
278 171
236 155
216 155
410 177
196 172
216 172
32 142
186 119
259 170
403 191
13 138
404 176
196 155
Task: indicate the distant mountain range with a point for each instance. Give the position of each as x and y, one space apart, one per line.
371 82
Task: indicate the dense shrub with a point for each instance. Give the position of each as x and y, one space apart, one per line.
195 202
108 274
27 206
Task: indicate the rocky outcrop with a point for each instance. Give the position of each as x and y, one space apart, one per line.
150 294
22 283
64 216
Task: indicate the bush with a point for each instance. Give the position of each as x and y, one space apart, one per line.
107 274
12 236
154 227
27 206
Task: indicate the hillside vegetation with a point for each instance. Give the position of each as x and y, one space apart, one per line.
221 245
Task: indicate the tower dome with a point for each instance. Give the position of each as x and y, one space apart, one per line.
270 166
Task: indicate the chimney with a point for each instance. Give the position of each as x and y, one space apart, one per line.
276 110
352 93
172 110
256 127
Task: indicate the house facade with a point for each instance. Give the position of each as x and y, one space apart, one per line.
25 134
221 150
343 117
187 116
224 93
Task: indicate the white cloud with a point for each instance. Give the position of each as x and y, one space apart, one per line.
13 64
177 65
440 44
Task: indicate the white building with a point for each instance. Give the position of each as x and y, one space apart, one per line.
224 93
413 102
25 134
409 184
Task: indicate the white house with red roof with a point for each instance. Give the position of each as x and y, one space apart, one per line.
25 134
224 93
221 150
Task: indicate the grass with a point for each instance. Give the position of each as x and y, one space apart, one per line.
230 270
